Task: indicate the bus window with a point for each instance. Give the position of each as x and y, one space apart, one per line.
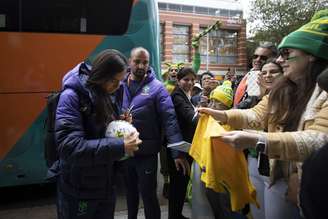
66 16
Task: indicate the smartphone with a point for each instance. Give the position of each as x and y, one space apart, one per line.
253 89
263 164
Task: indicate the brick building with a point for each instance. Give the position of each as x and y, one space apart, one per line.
182 19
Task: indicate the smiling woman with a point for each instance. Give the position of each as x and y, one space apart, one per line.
186 80
187 119
270 72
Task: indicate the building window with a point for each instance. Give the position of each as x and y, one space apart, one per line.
187 9
162 6
200 10
161 43
181 43
212 11
222 47
236 14
174 7
223 12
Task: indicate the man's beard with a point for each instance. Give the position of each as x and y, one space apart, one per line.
139 73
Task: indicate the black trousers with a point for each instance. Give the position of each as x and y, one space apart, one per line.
69 207
177 187
140 174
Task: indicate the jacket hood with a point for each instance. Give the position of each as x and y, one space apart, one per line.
76 79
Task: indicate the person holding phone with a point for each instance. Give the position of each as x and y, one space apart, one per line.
248 87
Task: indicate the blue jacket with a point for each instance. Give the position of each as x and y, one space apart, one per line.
152 113
86 156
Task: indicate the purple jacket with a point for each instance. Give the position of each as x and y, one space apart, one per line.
86 156
153 113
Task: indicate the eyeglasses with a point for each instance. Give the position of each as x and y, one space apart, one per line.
285 54
263 58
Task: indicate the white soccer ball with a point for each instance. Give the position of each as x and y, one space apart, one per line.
119 128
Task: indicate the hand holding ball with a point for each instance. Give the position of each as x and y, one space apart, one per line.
125 130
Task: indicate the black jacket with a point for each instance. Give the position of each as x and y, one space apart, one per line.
185 112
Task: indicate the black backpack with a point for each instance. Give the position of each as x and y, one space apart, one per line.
50 144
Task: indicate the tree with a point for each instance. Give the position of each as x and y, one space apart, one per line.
271 20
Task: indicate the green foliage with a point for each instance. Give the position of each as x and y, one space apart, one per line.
273 19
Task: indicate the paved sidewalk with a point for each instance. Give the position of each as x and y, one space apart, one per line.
164 212
28 202
121 208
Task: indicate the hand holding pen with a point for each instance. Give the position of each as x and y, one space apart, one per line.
202 103
195 115
127 115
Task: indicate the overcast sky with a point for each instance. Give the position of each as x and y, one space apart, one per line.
246 5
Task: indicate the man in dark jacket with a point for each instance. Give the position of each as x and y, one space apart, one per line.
152 112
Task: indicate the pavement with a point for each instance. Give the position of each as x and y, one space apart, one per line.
121 209
164 212
39 203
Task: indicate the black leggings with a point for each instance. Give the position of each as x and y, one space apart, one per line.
177 187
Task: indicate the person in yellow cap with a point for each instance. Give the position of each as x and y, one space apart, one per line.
294 113
221 97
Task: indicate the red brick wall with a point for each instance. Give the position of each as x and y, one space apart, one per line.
195 21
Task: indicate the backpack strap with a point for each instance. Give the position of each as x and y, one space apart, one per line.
85 104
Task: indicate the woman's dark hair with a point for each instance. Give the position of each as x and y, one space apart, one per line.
206 73
323 80
288 100
273 61
203 74
105 67
185 71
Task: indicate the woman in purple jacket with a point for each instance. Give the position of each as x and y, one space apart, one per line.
86 157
